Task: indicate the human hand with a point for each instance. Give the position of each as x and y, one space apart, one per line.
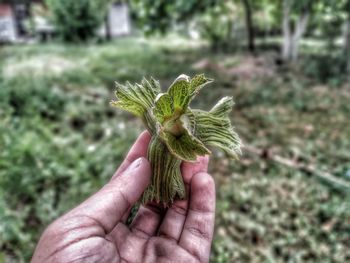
95 231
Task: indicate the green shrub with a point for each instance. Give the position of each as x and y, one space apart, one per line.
77 20
328 69
216 25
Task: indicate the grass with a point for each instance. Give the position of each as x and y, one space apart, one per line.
60 141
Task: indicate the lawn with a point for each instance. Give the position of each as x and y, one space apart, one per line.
60 141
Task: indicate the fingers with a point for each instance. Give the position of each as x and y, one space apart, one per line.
126 215
108 205
146 221
162 250
199 225
131 242
139 149
189 169
174 219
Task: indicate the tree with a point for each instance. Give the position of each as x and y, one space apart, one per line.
160 16
333 18
347 37
217 25
290 46
249 25
77 20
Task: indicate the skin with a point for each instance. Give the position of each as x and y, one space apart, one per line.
95 231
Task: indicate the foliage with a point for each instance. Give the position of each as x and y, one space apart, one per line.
160 16
328 20
60 141
317 67
77 20
46 143
267 16
217 25
222 23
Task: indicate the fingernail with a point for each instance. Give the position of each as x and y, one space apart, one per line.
135 164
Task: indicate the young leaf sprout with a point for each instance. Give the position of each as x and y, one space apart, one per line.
179 133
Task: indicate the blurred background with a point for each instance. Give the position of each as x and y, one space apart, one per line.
285 62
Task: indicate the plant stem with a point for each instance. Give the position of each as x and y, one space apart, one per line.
167 183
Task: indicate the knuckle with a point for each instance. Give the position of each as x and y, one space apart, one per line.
125 198
206 181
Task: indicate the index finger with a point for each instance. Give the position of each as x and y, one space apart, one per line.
139 149
198 230
175 216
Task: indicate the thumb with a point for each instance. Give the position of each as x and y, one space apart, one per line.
110 203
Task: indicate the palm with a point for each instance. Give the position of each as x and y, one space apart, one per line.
95 231
135 244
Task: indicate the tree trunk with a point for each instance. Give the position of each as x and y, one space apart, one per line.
347 46
290 46
286 46
249 25
347 40
108 27
299 31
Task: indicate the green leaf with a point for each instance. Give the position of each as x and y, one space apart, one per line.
127 101
163 108
180 93
185 147
223 107
137 99
129 106
152 85
214 128
188 121
197 83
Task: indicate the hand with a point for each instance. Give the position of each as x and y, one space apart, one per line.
95 231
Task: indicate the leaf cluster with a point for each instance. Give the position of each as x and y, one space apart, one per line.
77 20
